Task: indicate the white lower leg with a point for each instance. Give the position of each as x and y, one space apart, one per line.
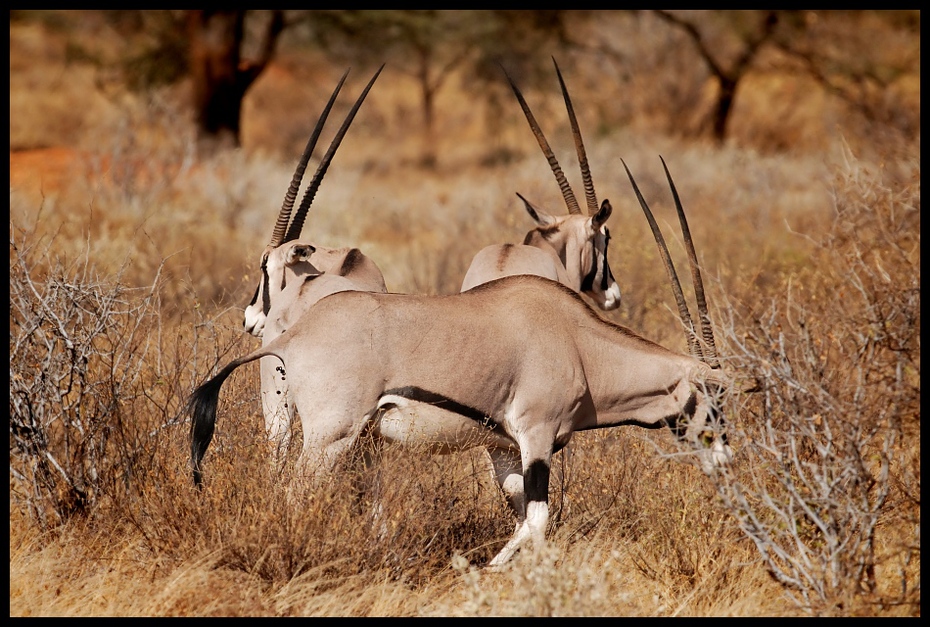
533 529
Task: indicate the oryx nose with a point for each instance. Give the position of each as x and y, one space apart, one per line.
256 328
612 298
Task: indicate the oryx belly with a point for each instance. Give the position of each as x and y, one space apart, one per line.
419 424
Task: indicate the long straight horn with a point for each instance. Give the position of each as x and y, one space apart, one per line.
284 216
707 331
293 232
694 348
567 193
589 195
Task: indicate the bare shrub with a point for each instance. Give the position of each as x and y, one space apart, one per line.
94 384
65 435
827 450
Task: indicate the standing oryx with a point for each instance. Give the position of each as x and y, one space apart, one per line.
284 264
516 365
570 249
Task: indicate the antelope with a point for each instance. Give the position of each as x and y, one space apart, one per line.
570 249
286 261
516 365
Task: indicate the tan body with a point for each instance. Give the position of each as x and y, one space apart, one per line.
516 365
540 366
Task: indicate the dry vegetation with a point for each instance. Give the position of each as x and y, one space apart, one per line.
130 261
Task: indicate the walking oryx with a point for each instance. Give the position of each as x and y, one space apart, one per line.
570 249
284 264
516 365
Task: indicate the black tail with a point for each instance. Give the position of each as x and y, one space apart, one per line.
202 409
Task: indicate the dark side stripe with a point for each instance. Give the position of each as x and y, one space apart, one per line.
443 402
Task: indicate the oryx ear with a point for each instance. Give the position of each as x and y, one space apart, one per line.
298 253
539 216
599 218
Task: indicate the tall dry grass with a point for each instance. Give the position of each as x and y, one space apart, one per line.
130 262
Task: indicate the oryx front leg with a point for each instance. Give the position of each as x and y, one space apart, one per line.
530 493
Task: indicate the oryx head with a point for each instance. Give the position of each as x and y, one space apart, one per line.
702 421
580 240
285 258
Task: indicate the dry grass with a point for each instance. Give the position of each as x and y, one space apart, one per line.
110 196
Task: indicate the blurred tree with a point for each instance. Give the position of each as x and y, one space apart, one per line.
425 44
855 55
750 30
221 76
430 45
859 57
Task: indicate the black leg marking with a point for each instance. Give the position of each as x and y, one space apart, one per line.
536 482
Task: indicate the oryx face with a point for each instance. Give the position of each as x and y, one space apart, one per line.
280 266
581 243
598 281
701 423
284 258
583 246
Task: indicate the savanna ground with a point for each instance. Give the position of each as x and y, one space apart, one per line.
131 259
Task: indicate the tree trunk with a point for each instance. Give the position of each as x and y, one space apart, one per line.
428 156
723 107
221 78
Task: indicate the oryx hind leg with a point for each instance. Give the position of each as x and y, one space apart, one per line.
508 470
277 407
333 444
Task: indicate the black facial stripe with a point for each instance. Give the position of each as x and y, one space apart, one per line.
443 402
536 482
678 423
266 297
605 275
255 295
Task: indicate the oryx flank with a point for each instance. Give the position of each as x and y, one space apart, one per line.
286 262
516 365
570 249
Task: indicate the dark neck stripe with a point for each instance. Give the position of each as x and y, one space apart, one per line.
443 402
351 262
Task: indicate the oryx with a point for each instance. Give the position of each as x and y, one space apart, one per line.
286 261
516 365
570 249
